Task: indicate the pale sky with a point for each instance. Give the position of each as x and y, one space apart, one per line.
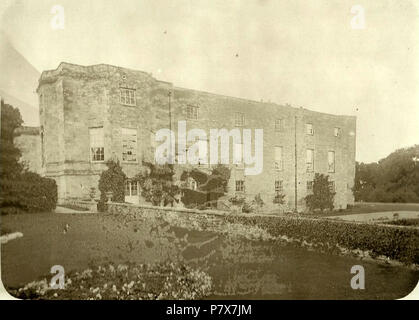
302 52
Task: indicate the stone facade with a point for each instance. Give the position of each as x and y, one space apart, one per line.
76 99
28 140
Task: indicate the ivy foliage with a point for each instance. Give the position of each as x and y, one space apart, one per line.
210 187
157 184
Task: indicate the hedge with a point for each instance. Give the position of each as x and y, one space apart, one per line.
397 243
30 193
192 198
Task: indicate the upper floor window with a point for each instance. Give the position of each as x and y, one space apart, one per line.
129 145
127 96
239 120
192 112
337 132
97 145
310 160
239 185
278 158
279 124
309 129
331 161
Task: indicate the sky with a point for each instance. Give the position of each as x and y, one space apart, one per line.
305 53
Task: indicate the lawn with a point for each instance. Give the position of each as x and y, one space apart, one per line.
370 207
239 268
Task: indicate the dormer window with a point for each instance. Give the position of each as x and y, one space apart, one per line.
127 97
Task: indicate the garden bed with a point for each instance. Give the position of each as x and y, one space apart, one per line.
124 282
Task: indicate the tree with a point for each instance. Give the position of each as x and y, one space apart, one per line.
20 190
10 168
392 179
322 196
112 180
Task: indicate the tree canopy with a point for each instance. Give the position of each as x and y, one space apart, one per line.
392 179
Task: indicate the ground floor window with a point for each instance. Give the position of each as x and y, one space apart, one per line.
240 186
131 188
278 186
309 186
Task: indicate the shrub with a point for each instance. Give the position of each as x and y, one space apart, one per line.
237 200
112 179
248 207
195 198
397 243
29 193
322 197
279 198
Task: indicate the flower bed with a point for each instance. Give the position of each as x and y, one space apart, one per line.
124 282
396 243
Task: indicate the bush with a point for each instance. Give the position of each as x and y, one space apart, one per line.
112 180
397 243
322 197
29 193
194 198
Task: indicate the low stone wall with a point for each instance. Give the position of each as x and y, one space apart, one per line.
366 240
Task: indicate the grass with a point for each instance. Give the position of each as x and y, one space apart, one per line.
262 269
369 207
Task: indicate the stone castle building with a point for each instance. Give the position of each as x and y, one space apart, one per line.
90 114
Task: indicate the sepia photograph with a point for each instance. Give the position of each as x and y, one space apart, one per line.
209 150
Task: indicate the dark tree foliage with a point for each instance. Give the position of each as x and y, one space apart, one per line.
157 184
392 179
10 168
20 190
112 180
322 196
